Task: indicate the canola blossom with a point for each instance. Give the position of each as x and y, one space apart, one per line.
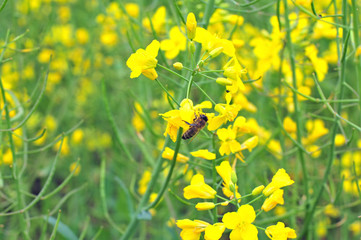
144 61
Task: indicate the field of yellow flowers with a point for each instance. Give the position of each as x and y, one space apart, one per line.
190 120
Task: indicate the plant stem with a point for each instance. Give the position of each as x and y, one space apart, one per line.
295 100
145 198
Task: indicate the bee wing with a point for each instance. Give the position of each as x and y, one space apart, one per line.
192 138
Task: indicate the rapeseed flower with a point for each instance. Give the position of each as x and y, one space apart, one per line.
75 167
214 232
272 201
143 182
169 153
229 187
319 64
144 61
157 21
199 189
280 232
132 9
229 143
210 42
204 153
233 71
227 112
176 42
279 180
240 223
191 230
179 118
315 130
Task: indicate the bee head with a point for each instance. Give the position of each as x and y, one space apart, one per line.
204 117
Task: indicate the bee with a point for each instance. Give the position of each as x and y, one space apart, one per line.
197 125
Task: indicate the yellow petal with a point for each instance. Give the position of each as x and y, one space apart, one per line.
204 153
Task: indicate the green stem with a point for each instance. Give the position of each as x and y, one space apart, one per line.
185 79
103 197
165 185
253 200
133 224
114 126
189 87
53 234
295 100
355 17
166 91
331 156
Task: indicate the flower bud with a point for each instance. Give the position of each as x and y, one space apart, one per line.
224 81
232 187
205 206
191 25
250 143
234 177
178 65
192 47
257 190
225 203
215 52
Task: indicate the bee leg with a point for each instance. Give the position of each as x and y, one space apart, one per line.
190 124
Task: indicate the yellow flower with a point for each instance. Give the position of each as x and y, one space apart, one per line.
279 180
250 143
199 189
280 232
109 38
7 158
204 153
76 168
355 227
210 42
143 182
77 136
158 21
275 148
65 149
176 42
144 61
191 230
132 9
169 153
332 211
44 55
315 129
178 118
289 125
225 171
271 202
240 223
314 150
319 64
340 140
214 232
233 71
82 35
191 25
227 112
229 142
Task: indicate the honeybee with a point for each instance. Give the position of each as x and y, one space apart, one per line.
197 125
